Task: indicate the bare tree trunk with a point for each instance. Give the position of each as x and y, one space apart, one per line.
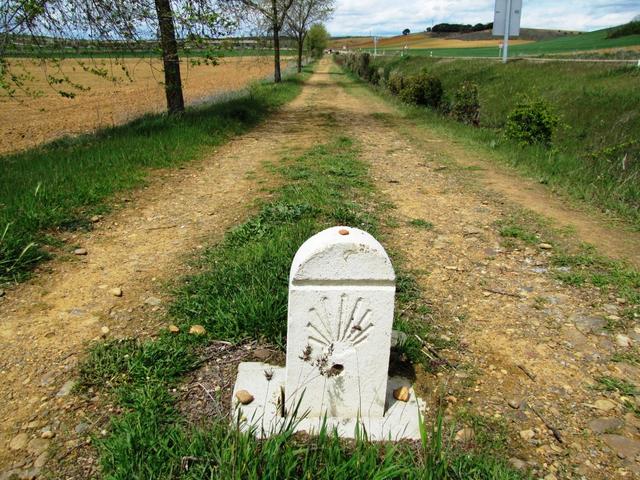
277 76
300 44
169 45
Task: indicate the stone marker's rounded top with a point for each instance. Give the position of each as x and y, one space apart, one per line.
341 253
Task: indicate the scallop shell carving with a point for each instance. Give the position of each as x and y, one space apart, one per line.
353 325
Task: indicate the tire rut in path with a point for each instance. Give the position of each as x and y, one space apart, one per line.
590 225
46 322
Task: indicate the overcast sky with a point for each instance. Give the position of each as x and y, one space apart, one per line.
385 17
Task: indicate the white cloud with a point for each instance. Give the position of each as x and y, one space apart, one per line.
383 17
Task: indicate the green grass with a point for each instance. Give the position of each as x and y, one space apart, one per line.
578 265
586 267
512 228
239 291
60 185
595 154
572 43
632 357
420 223
612 384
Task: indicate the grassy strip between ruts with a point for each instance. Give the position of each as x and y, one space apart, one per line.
59 186
240 292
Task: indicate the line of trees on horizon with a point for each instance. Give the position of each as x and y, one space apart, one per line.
175 25
460 27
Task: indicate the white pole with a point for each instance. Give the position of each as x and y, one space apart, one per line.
507 26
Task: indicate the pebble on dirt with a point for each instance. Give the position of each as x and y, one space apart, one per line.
80 251
38 445
623 341
623 447
66 388
545 246
153 301
527 434
116 292
262 354
41 460
174 329
104 331
19 441
465 435
401 394
605 424
604 405
514 403
244 397
197 330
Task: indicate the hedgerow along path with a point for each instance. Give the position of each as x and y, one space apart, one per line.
70 306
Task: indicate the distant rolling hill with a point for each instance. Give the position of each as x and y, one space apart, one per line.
452 40
480 44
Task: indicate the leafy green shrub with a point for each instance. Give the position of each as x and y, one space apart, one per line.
374 78
466 104
531 122
386 71
395 82
422 89
631 28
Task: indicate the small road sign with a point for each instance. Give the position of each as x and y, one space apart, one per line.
506 22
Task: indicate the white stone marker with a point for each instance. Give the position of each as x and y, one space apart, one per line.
341 294
341 300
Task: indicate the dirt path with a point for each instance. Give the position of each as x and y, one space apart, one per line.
46 322
497 308
590 225
500 309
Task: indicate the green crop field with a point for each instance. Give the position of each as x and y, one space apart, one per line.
576 43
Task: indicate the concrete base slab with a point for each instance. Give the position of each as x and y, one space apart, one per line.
263 416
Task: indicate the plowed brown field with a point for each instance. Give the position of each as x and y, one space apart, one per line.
419 41
28 121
